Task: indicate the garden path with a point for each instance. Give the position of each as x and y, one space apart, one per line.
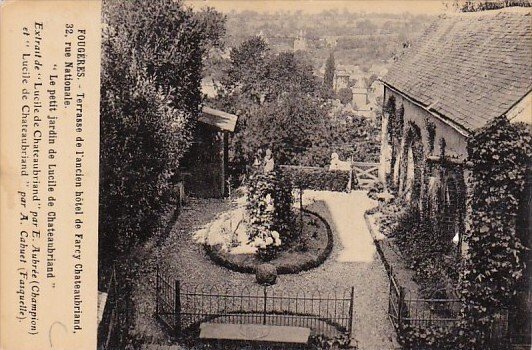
347 214
353 262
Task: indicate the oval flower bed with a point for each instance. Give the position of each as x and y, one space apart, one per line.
308 252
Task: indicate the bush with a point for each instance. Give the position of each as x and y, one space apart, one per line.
375 189
425 252
269 210
319 179
345 95
266 274
150 98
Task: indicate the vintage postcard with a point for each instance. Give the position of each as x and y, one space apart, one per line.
224 174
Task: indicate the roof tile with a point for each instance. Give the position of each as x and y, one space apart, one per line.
476 65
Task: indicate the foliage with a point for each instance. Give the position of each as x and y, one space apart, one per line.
288 126
341 341
395 119
330 67
266 274
376 188
269 212
278 101
320 179
150 96
345 95
432 337
348 136
425 251
431 134
281 106
246 71
390 111
500 155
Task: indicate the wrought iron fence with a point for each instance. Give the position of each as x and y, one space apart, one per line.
405 311
114 317
183 308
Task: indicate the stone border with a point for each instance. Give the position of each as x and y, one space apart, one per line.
281 270
377 243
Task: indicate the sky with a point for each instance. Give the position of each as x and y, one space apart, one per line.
431 7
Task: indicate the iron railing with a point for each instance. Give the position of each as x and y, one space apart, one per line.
412 312
182 308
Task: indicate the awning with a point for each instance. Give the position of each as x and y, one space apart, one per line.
221 120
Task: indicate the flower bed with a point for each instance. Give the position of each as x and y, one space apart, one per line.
306 253
319 179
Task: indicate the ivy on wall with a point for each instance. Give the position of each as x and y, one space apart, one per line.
499 155
498 160
431 134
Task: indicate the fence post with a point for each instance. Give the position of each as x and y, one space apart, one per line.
264 308
177 308
400 307
157 287
350 326
390 291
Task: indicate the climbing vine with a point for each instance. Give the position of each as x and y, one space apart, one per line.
431 132
499 155
269 211
498 160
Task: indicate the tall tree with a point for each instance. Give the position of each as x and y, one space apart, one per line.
247 69
150 98
330 68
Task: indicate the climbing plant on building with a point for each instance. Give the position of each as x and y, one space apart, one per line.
499 155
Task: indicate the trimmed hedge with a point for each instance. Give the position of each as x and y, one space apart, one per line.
215 255
319 179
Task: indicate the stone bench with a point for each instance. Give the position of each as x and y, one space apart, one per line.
255 333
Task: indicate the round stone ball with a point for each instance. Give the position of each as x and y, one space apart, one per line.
266 274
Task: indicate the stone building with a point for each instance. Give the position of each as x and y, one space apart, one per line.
466 70
300 42
341 80
360 95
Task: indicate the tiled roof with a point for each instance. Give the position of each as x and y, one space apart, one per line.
470 67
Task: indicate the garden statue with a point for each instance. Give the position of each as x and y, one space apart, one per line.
268 162
337 164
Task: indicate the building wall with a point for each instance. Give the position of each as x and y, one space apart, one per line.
437 188
456 143
341 82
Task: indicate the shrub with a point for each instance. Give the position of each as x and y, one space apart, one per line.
150 98
269 211
375 189
320 179
266 274
345 95
425 252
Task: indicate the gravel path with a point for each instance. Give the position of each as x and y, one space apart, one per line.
353 262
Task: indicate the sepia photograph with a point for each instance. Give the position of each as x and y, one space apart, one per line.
314 175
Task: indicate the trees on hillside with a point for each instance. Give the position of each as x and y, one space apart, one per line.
150 97
277 98
328 79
